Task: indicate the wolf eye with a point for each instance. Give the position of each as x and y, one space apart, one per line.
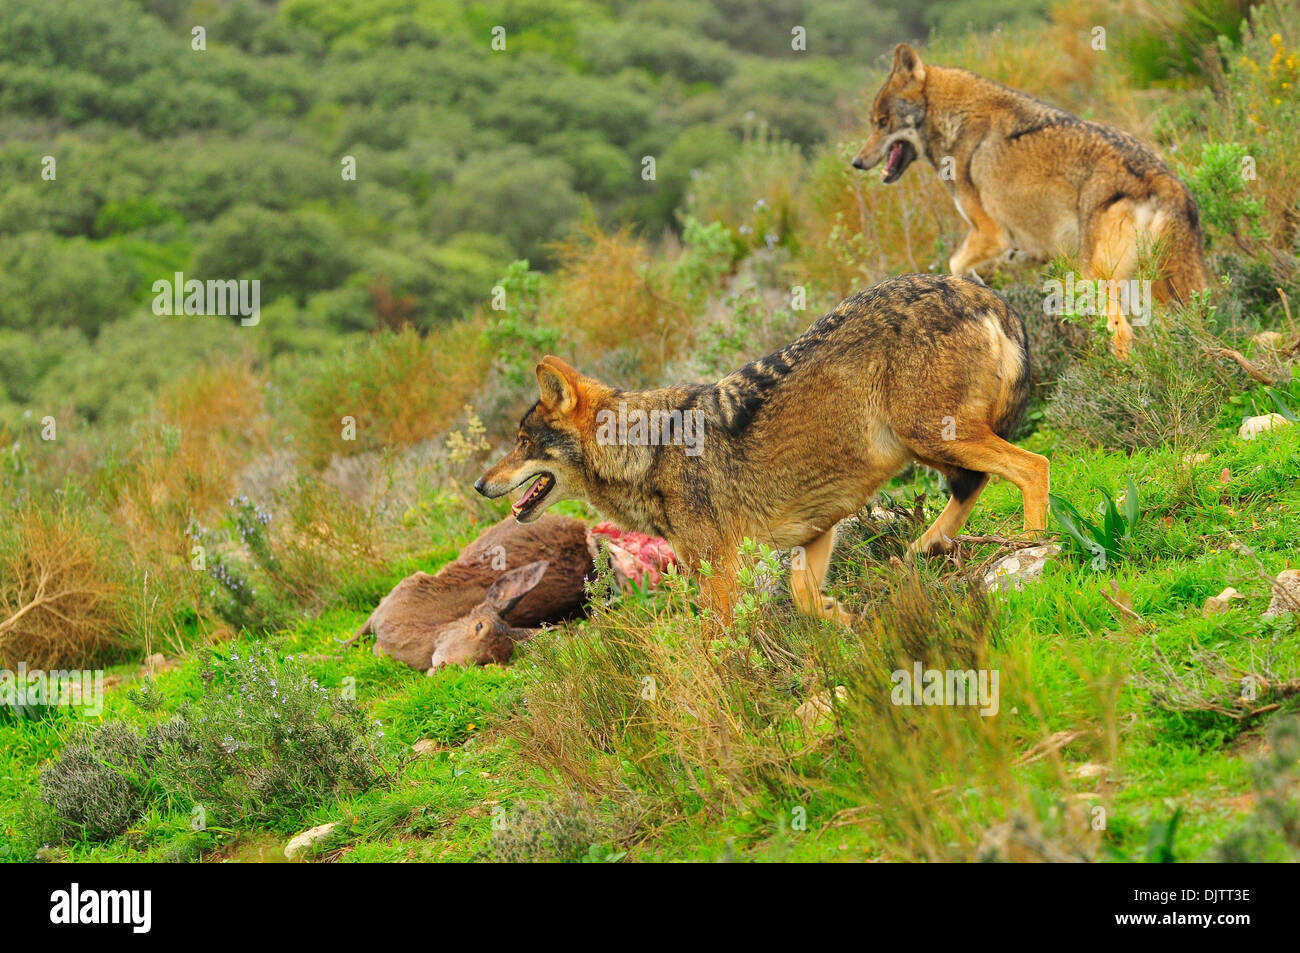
882 122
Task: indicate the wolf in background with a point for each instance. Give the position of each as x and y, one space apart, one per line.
1030 178
920 367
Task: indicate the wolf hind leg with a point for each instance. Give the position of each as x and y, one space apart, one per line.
1111 248
966 486
984 452
808 564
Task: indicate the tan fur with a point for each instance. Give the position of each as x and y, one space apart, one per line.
1034 180
921 367
424 611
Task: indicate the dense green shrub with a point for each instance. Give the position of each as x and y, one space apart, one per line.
264 743
50 282
294 253
114 379
98 786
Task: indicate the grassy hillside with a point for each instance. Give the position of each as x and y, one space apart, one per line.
204 510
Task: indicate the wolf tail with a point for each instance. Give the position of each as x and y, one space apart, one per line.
1018 380
1184 269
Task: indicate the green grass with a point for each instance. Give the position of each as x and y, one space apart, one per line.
1225 521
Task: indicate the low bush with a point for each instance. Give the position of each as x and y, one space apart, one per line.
97 787
1169 392
534 833
644 713
264 743
396 388
270 563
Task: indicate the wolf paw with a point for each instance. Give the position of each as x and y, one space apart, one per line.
832 611
931 545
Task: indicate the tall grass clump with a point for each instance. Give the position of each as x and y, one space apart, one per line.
1180 38
396 388
645 700
653 714
176 467
958 781
753 191
266 564
609 300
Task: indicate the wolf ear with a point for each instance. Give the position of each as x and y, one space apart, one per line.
557 381
908 62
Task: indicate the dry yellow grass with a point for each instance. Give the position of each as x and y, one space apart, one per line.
401 387
606 297
187 456
59 591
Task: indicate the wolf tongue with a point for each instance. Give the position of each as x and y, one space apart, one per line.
895 153
528 495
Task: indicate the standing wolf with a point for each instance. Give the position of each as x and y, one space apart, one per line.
921 367
1031 178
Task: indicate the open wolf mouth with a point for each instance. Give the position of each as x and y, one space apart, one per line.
533 497
901 154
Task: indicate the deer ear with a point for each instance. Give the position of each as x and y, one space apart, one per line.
908 62
558 384
512 586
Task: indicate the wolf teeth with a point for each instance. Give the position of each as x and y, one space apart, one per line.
542 484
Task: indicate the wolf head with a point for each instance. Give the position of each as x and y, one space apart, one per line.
896 118
548 451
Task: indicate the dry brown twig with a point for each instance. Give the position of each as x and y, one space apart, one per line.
1254 370
1113 598
1189 691
1009 542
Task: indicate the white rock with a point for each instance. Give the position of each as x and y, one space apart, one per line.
1286 593
1253 426
1220 603
159 663
1017 569
425 746
306 839
817 708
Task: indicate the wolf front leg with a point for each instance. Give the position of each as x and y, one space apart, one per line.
808 565
718 594
984 242
718 587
